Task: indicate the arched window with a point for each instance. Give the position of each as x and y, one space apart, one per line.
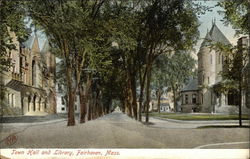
33 72
13 100
211 59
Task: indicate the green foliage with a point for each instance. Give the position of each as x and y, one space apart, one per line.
237 14
175 69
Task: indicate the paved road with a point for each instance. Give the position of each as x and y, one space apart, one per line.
116 130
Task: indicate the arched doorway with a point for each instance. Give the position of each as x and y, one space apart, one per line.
29 103
34 102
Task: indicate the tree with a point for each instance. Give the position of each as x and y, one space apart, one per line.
169 26
237 14
176 70
70 26
235 58
158 82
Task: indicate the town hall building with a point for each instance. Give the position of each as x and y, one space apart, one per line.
29 85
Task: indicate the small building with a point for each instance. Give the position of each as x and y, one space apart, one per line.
61 93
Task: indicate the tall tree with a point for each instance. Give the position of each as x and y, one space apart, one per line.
169 25
235 58
69 25
158 83
237 13
176 70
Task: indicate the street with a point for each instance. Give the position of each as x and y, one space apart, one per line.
117 130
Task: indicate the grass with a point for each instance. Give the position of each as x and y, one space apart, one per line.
179 116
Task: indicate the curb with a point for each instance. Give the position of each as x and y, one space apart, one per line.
32 124
200 121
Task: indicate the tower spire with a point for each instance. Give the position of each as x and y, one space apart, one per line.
213 21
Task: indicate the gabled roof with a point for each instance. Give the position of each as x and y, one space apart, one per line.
28 43
192 85
215 35
32 42
45 47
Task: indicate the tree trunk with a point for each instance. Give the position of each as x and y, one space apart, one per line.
129 100
133 92
140 104
148 92
142 83
82 104
89 97
240 102
159 100
71 97
174 96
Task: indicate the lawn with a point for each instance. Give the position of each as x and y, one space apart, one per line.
180 116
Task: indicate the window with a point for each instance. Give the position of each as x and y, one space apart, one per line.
59 88
194 98
219 58
63 102
186 99
13 100
75 107
13 68
211 59
33 73
62 108
201 98
21 62
233 98
183 99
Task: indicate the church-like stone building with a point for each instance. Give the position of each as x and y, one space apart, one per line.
30 82
201 94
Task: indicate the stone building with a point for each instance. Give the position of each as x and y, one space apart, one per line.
210 65
30 82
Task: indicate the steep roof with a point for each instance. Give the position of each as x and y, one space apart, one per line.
32 43
192 85
45 47
215 35
28 43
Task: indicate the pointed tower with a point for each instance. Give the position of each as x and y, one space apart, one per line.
49 64
210 64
